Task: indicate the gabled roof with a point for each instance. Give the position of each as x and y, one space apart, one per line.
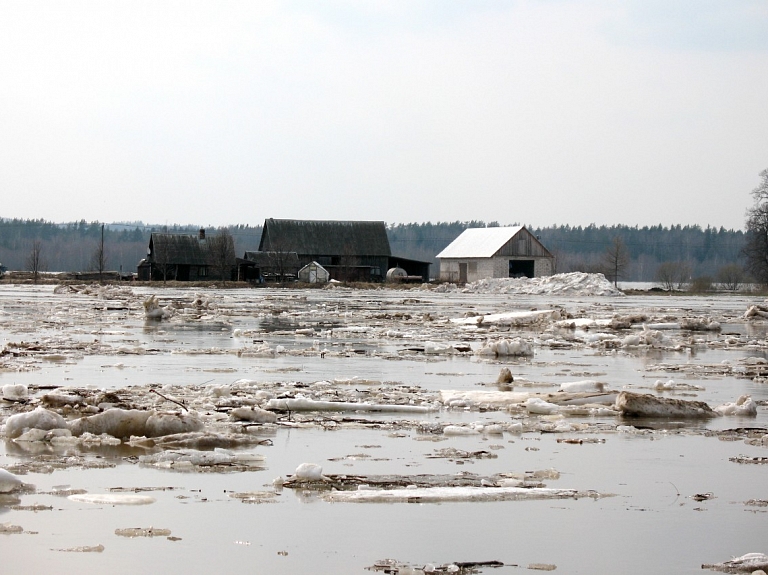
177 249
479 242
325 238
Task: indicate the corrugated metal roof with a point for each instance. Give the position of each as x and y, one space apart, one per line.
479 242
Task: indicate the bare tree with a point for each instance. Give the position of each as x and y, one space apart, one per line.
35 262
221 254
162 259
684 271
730 276
99 256
616 260
756 248
666 275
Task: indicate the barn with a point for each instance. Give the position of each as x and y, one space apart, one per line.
348 250
498 252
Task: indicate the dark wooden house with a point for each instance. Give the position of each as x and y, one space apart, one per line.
349 250
180 257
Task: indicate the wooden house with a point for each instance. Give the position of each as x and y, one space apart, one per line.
495 253
180 257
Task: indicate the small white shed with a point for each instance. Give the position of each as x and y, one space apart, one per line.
314 273
495 253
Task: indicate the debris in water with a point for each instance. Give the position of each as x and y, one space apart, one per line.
142 532
748 563
646 405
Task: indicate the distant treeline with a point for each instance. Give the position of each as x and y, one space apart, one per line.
583 248
70 246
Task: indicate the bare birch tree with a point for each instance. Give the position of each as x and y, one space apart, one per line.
221 254
616 260
35 262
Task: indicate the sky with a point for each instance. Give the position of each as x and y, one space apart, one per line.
548 112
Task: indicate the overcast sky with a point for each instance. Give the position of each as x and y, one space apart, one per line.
638 112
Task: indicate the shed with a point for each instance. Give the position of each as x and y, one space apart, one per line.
314 273
498 252
274 266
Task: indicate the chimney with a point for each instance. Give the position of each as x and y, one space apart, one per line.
202 234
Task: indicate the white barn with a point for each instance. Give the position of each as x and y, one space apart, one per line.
495 253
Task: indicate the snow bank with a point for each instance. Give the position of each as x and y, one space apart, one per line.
570 284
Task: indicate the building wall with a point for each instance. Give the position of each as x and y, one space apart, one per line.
496 267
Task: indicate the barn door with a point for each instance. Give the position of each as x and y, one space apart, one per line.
463 273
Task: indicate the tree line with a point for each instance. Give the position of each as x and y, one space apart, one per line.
58 247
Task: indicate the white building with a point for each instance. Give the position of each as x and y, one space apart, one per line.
495 253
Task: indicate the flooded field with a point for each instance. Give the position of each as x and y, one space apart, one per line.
393 431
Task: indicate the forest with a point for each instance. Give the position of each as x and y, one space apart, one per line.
72 246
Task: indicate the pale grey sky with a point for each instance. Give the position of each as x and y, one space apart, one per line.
539 112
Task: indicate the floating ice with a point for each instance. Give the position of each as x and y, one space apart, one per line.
516 347
305 404
538 406
39 418
112 498
583 385
646 405
744 406
15 391
8 481
749 563
455 494
124 423
254 414
309 471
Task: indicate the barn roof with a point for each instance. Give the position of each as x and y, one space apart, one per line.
271 259
327 238
177 249
479 242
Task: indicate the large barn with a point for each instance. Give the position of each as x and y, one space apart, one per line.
348 250
495 253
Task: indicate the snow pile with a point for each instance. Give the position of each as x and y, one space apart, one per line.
570 284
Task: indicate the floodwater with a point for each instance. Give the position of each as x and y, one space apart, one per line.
677 500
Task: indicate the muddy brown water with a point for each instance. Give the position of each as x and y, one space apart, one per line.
651 524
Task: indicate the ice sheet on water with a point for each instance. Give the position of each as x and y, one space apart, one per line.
455 494
112 499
